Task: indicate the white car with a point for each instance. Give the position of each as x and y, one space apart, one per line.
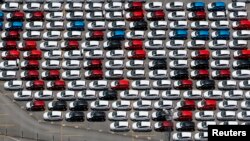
66 95
140 116
136 74
35 25
241 34
100 105
13 85
237 6
196 44
182 136
177 5
152 6
157 54
29 35
55 25
95 16
49 45
117 116
177 15
178 64
76 35
31 7
87 95
178 24
96 25
77 85
226 115
121 105
158 74
163 25
129 95
162 84
55 16
94 54
141 84
157 34
8 75
244 115
54 6
244 85
137 34
213 94
218 44
192 94
203 126
238 15
220 64
228 105
93 6
227 85
114 64
241 74
164 104
71 65
115 54
199 25
135 64
44 95
234 95
116 15
91 45
205 115
142 105
245 105
71 75
238 44
220 25
98 85
201 136
171 94
218 15
150 95
53 55
154 44
178 54
53 116
144 126
23 95
117 25
11 6
114 74
73 55
175 44
121 126
72 6
221 54
52 35
113 6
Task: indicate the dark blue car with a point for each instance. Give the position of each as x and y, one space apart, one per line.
1 16
221 34
196 6
178 34
76 25
216 6
14 26
200 35
116 35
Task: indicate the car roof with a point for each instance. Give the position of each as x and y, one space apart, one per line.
39 103
38 82
200 4
219 4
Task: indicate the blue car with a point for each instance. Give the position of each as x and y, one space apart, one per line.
216 6
1 25
116 35
1 16
196 6
221 34
178 34
14 26
200 35
76 25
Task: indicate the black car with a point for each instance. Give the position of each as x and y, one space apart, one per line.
96 116
205 84
139 25
111 45
241 64
200 64
185 126
79 105
179 74
158 64
58 105
74 116
160 116
108 95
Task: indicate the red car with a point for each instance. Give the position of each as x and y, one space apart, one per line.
156 15
221 74
183 116
183 84
30 65
10 55
51 75
8 45
134 45
186 105
56 85
27 45
133 6
135 16
242 54
95 35
30 75
36 105
120 85
164 126
15 16
198 15
94 75
32 55
200 55
70 45
206 105
11 35
200 74
241 25
35 16
35 85
92 64
137 54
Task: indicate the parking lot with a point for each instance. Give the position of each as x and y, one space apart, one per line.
103 127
